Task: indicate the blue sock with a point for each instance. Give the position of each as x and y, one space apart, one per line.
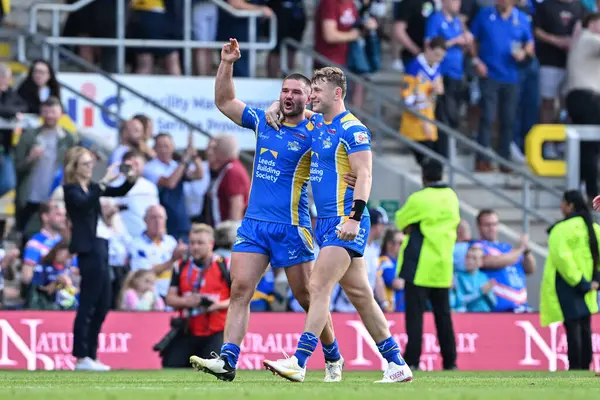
306 345
390 351
230 352
331 351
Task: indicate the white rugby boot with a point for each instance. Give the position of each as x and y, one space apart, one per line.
395 373
333 370
286 368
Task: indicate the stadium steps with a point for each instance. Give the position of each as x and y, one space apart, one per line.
477 199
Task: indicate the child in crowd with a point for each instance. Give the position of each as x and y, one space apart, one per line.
474 291
52 282
139 293
422 82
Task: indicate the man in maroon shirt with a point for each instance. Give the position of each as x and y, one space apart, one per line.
227 196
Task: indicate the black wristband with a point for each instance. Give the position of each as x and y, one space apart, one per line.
358 207
526 252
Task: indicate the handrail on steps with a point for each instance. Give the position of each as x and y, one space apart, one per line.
454 136
82 63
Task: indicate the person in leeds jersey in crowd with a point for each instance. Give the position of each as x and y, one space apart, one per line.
341 144
571 275
276 227
82 200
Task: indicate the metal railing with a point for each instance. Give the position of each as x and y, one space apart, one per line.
454 137
576 134
121 88
120 42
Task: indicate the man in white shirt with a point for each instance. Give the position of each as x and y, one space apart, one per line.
141 196
155 250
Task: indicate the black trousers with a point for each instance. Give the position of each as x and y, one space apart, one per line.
583 107
579 341
94 299
447 110
416 300
183 347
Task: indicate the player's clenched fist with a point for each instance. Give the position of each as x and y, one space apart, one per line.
231 51
349 230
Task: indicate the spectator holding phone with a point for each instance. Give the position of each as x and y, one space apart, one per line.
200 290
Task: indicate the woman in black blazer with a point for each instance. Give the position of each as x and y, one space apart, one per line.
82 200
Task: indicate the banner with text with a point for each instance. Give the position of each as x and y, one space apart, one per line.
191 98
43 340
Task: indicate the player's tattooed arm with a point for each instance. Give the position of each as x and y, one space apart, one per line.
225 99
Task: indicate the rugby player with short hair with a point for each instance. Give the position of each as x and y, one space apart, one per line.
341 144
277 226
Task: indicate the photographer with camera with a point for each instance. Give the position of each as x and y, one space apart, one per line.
200 289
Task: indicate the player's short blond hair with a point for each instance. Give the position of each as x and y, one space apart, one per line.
202 228
332 75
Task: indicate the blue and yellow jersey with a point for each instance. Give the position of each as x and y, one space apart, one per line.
332 142
148 5
416 92
281 170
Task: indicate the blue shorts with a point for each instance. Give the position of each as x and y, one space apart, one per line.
285 244
326 233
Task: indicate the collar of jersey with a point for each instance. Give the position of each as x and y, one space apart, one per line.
301 123
338 117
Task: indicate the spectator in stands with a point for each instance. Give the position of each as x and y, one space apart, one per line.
150 20
337 23
141 196
52 275
556 22
132 134
168 175
388 268
463 242
225 234
155 250
291 22
205 20
583 95
195 191
119 241
230 26
11 108
409 28
263 296
38 158
571 278
7 260
54 217
97 19
506 265
139 293
474 290
39 86
148 133
227 196
447 24
200 290
505 40
422 82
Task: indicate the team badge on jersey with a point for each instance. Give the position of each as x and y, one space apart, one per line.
361 137
294 146
327 142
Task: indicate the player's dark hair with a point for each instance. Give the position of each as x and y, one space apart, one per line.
575 198
333 75
437 42
432 170
298 77
589 18
484 212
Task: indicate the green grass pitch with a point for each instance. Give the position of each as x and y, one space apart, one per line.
261 385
